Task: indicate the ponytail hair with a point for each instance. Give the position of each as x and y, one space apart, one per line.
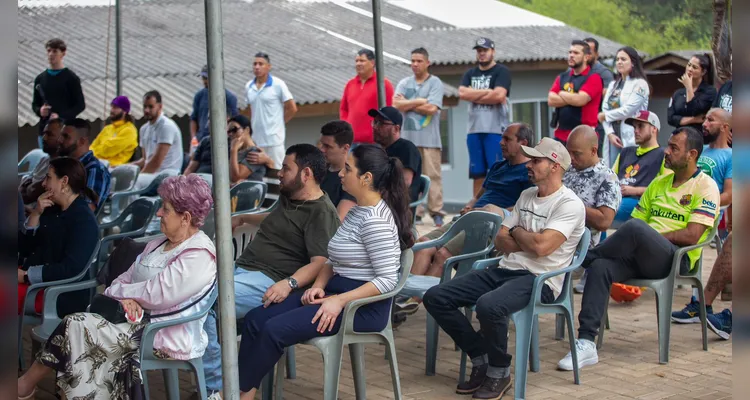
707 65
388 180
77 176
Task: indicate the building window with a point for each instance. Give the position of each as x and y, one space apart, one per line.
535 113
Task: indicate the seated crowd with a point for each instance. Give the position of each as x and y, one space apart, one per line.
337 233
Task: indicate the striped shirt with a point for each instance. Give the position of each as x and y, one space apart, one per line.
366 247
98 176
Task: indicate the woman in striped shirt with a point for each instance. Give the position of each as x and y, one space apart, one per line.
364 259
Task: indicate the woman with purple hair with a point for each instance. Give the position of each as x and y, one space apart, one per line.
94 358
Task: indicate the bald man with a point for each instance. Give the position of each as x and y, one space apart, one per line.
594 182
716 159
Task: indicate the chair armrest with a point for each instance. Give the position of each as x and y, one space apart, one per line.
439 242
486 263
448 264
347 315
49 313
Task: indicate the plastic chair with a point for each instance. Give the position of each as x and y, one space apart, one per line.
31 159
29 315
480 228
123 180
209 226
208 178
149 362
527 320
249 196
424 191
332 347
151 188
664 289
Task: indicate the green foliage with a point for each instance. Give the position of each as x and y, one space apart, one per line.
652 26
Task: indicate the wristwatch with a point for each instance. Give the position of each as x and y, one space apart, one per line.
292 283
510 231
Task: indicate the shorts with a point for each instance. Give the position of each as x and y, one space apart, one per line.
484 151
454 246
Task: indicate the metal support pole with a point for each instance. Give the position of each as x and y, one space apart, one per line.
220 166
378 31
118 48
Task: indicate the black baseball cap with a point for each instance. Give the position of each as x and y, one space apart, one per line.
388 113
484 43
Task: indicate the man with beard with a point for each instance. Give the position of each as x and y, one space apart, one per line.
386 130
76 140
487 88
31 185
116 143
716 159
288 251
576 93
676 210
335 142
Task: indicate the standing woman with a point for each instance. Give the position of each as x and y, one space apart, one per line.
364 259
626 96
690 103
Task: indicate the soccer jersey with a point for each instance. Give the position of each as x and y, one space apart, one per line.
668 209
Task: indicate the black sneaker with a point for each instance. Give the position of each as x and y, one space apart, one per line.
397 320
493 388
476 378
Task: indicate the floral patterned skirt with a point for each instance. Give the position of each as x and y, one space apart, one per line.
94 358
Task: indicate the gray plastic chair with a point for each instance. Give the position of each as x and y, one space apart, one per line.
424 192
132 222
31 159
332 347
123 180
208 178
249 195
481 228
29 315
664 289
149 362
209 226
145 192
527 320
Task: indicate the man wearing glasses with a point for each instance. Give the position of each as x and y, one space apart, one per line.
271 106
386 130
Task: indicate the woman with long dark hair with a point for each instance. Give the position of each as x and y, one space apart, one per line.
626 96
364 259
60 234
690 103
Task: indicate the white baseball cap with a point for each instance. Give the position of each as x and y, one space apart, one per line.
551 149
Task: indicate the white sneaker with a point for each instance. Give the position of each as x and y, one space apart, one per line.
587 355
215 396
578 288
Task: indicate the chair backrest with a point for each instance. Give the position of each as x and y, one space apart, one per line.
480 228
124 177
272 181
580 254
151 189
247 196
31 159
208 178
424 191
138 214
241 237
209 226
407 260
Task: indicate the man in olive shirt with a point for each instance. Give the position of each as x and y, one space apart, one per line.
287 252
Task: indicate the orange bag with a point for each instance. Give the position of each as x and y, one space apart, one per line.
624 293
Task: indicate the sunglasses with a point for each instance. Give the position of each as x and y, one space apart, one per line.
233 130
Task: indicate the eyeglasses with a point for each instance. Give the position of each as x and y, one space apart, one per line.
233 130
377 122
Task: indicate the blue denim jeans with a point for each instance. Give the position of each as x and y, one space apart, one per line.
249 287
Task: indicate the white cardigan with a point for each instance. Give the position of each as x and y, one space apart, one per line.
633 99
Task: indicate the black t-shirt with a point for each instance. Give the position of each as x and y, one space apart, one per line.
202 154
407 152
724 99
497 76
332 186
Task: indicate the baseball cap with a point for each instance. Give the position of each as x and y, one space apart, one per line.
484 43
123 102
551 149
388 113
204 71
645 116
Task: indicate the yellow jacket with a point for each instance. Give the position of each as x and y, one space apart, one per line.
116 143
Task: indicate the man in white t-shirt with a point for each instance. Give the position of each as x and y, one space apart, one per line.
540 236
271 106
160 140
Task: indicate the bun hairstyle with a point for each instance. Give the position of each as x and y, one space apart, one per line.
77 177
388 180
707 65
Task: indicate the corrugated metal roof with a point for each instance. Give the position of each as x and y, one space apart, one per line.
164 47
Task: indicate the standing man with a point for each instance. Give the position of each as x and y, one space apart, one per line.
57 91
487 88
76 141
335 141
420 98
716 159
271 107
118 140
161 141
361 95
597 67
386 129
576 93
200 118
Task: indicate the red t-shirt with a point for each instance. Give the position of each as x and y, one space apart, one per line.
589 112
358 99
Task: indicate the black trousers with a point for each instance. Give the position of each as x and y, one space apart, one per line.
497 293
635 250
